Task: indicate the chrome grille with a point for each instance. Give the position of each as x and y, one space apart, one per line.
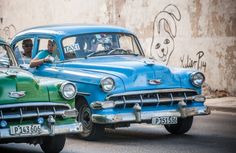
30 110
156 98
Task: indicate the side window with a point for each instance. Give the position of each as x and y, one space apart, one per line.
128 43
23 50
50 46
4 59
6 56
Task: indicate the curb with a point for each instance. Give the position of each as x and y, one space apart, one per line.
223 109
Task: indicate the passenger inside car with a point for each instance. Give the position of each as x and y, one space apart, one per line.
44 56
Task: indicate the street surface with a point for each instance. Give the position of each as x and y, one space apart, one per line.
215 133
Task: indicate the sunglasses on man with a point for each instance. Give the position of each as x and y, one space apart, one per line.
28 45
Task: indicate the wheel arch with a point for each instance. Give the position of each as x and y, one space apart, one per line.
79 100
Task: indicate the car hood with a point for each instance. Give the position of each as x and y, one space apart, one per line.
136 72
16 82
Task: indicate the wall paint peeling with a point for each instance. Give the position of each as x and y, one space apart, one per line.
195 13
230 64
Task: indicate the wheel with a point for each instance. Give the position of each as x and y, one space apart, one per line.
183 126
53 144
91 131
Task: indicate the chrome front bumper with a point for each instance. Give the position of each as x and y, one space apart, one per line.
46 131
138 115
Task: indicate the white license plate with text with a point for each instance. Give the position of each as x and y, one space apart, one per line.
163 120
32 129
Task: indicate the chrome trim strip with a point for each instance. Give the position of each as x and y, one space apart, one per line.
29 115
148 115
1 114
34 104
151 91
46 131
83 93
21 116
151 100
158 100
33 111
100 104
172 99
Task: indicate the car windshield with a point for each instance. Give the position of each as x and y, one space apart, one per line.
100 44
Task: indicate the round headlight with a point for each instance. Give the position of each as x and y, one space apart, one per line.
68 90
107 84
197 79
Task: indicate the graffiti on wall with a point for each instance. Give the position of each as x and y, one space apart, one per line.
8 32
164 33
196 62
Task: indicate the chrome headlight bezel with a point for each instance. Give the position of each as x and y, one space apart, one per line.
105 84
195 78
63 90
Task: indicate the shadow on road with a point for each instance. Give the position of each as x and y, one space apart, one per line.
14 148
125 135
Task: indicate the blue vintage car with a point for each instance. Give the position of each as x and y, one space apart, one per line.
118 85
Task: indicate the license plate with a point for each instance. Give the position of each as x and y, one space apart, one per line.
32 129
163 120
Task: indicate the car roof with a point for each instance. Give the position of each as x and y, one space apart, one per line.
67 30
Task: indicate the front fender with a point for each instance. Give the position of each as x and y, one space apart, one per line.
184 75
86 81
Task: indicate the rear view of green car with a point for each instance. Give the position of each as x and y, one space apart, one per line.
34 110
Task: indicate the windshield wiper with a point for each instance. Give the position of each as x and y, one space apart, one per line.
98 52
122 52
119 51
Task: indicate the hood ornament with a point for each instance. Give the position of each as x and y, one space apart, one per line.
149 62
154 81
16 94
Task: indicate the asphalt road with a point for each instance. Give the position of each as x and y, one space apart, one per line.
215 133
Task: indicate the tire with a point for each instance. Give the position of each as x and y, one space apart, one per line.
91 131
183 126
53 144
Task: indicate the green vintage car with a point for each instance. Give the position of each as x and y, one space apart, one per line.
33 109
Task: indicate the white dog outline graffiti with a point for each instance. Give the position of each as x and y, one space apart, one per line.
164 32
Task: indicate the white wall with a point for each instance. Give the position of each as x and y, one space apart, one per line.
202 33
